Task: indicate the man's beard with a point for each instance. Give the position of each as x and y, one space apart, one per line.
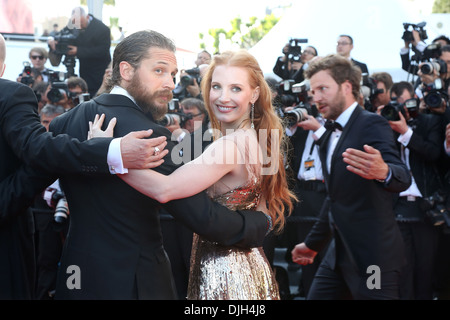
148 101
338 105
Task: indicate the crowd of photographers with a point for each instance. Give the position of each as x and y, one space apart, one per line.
417 110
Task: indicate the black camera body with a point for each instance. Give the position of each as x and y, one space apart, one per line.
174 114
59 202
66 37
407 34
27 76
291 93
435 95
391 110
294 52
188 80
180 91
436 208
57 91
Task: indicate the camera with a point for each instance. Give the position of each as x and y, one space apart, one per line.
55 76
61 207
369 91
435 94
294 116
294 51
66 37
407 34
78 98
391 110
436 64
188 80
432 51
57 92
291 93
180 91
27 77
174 115
435 209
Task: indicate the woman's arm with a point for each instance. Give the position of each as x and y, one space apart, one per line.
219 159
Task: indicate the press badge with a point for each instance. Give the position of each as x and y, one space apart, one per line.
310 173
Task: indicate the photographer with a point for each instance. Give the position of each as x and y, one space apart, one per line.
415 40
305 170
293 62
419 138
35 72
78 91
189 84
383 81
90 45
434 83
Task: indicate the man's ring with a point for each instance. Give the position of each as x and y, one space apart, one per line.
157 151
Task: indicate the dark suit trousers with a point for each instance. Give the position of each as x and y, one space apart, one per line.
420 240
345 282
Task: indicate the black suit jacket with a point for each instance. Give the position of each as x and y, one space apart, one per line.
360 210
361 65
114 236
425 150
24 142
93 46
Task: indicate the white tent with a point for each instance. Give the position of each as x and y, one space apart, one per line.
376 27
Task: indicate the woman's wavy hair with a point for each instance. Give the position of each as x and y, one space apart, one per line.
275 188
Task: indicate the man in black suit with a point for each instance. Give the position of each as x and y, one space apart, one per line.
362 168
420 139
114 241
24 142
91 47
344 48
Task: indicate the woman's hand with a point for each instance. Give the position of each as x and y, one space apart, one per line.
95 128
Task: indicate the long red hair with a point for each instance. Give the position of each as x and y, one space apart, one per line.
275 188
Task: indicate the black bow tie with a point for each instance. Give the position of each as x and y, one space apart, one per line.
332 125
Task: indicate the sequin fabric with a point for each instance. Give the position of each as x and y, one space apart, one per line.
228 273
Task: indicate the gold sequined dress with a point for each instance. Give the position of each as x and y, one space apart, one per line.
228 273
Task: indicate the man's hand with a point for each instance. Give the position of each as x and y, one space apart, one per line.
399 126
301 254
51 43
368 163
310 123
140 153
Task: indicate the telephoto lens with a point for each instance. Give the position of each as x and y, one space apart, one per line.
61 211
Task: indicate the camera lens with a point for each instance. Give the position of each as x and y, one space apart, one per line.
186 81
433 99
61 211
294 116
390 113
54 95
426 68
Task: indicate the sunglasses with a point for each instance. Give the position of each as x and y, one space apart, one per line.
37 57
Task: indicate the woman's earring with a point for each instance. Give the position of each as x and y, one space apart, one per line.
252 115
